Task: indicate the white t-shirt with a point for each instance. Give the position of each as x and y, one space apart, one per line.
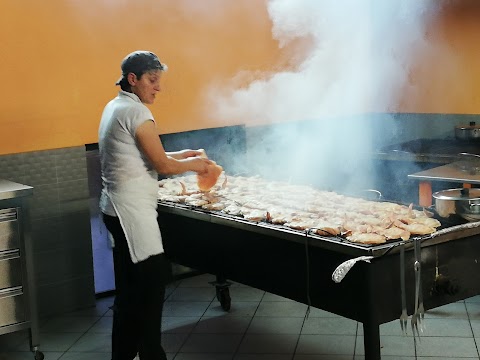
119 155
130 185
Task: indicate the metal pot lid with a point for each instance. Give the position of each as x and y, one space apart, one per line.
458 194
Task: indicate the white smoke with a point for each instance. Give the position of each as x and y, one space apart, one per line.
359 59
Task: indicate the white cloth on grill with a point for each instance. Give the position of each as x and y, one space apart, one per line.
345 267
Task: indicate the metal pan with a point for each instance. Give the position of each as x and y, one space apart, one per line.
463 202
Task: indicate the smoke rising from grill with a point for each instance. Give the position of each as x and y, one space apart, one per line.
358 62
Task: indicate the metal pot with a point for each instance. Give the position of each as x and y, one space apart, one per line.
462 202
468 132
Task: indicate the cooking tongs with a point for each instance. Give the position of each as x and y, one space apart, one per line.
404 315
418 315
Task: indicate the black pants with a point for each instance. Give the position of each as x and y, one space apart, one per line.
140 292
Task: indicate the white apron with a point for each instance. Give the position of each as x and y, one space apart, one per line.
135 203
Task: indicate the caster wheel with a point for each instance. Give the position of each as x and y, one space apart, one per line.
223 296
39 355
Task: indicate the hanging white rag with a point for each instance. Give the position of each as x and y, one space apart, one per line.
345 267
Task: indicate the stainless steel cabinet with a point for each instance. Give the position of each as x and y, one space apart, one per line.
9 233
10 260
18 308
12 303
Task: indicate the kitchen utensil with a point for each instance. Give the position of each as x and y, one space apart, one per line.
404 315
464 202
416 317
421 308
468 132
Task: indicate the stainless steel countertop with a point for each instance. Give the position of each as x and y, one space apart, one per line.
10 189
449 172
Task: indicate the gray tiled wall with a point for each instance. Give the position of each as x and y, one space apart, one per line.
60 222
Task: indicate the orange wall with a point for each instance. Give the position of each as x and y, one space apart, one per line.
60 59
445 77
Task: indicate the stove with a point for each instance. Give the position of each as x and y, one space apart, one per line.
429 151
436 146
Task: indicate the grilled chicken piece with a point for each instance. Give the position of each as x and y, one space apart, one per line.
254 215
367 238
415 228
195 202
395 233
232 210
217 206
327 231
207 181
300 225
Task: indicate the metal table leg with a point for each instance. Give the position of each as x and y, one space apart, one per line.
223 291
371 341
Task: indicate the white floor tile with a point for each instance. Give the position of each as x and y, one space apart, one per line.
259 326
268 344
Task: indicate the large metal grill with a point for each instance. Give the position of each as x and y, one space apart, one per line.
299 265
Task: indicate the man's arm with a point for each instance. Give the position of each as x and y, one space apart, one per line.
150 144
